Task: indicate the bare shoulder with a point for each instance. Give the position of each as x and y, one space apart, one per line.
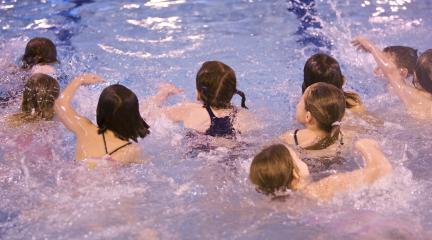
130 154
288 137
327 188
246 121
86 127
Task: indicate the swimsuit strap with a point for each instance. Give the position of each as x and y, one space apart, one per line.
106 149
210 112
295 137
128 143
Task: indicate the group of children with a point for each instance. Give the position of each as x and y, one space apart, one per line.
278 167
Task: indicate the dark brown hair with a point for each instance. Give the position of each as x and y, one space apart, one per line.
40 93
326 103
272 169
405 57
118 111
39 50
216 84
324 68
423 70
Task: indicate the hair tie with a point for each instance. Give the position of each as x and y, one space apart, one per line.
242 95
337 123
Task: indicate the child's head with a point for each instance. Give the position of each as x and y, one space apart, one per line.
322 106
273 170
324 68
118 111
216 84
405 58
40 93
39 51
423 71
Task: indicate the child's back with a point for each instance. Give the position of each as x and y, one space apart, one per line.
213 114
118 122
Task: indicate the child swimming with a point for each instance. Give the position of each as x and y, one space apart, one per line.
277 169
418 98
118 122
405 58
39 54
213 114
320 110
39 95
324 68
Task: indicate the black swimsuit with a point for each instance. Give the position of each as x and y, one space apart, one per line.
111 153
319 166
221 127
295 137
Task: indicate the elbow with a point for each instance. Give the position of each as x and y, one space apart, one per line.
58 105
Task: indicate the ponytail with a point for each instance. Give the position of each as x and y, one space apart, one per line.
243 98
333 136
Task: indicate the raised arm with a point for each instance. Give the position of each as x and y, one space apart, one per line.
63 108
413 98
165 90
376 166
389 69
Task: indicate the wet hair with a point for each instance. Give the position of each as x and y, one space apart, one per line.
272 169
39 95
118 111
423 70
216 84
324 68
405 57
37 51
326 103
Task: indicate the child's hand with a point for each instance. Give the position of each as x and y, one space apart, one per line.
167 89
362 43
90 78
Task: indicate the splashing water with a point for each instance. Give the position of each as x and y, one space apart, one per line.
45 194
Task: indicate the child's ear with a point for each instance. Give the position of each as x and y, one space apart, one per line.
197 95
308 117
403 72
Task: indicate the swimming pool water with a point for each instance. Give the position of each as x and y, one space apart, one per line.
45 194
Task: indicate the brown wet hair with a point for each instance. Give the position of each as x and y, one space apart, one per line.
39 51
216 84
326 103
321 67
405 57
39 95
118 111
423 71
272 169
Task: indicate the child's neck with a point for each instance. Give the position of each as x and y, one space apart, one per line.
316 132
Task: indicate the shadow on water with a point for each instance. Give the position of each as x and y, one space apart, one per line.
306 13
64 34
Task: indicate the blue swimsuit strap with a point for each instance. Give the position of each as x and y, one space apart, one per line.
213 116
210 112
